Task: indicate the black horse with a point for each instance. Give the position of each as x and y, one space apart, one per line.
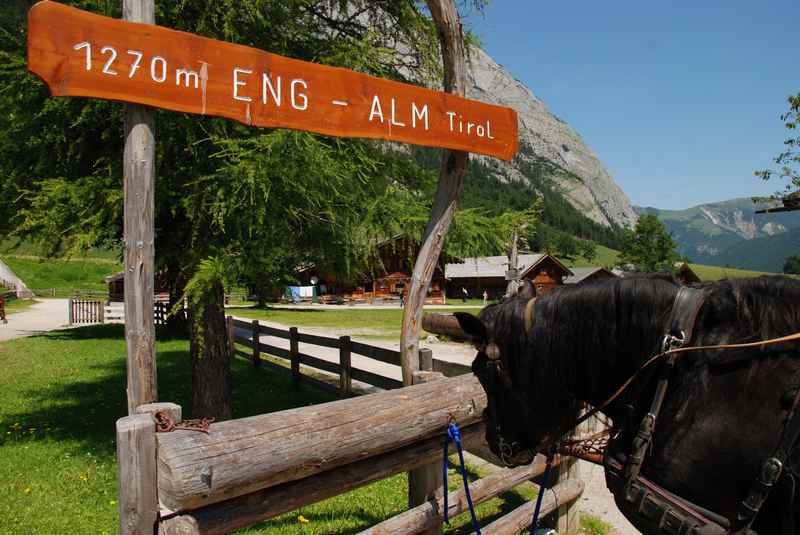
724 410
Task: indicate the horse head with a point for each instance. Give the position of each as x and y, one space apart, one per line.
515 429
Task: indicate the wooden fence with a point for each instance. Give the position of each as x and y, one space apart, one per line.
84 311
87 311
246 471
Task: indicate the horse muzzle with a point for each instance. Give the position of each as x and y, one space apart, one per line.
513 453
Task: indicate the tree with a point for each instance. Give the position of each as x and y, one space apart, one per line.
567 245
588 250
789 158
792 265
649 247
254 202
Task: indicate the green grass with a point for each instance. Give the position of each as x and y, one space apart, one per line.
64 275
60 395
593 526
18 305
605 257
360 322
713 273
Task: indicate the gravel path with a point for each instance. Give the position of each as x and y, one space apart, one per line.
596 499
45 315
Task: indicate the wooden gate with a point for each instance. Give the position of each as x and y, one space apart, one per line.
83 311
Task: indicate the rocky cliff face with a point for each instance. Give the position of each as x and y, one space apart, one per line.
542 136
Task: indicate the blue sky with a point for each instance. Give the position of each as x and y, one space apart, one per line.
680 100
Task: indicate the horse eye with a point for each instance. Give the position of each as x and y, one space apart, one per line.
492 351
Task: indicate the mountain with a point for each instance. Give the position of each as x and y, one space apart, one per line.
550 149
730 233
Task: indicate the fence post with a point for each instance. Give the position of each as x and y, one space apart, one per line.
345 379
136 474
231 339
256 341
568 517
69 311
294 353
425 483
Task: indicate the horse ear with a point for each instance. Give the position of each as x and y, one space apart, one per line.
526 290
472 326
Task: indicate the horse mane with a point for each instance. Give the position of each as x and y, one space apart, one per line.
583 333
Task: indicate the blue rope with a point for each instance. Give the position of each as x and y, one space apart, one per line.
454 435
542 488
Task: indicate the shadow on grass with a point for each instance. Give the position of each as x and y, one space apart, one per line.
84 411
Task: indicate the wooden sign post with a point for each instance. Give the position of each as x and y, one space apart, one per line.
82 54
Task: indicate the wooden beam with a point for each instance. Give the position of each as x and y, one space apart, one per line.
197 469
139 176
448 189
244 511
520 518
136 474
430 514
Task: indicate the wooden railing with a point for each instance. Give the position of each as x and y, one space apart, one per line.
248 334
245 471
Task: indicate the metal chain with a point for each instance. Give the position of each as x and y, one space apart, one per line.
165 423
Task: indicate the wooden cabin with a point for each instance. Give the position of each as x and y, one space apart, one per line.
490 274
388 278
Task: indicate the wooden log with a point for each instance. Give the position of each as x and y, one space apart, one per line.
197 469
451 181
294 353
256 352
444 324
519 519
451 369
244 511
139 236
136 474
431 514
425 483
71 310
345 373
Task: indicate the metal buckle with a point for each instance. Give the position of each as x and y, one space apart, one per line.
671 341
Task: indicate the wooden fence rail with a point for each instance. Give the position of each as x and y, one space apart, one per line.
247 333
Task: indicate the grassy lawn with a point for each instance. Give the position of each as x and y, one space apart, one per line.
60 395
713 273
64 275
17 305
361 322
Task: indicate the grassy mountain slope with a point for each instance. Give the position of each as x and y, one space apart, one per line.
730 233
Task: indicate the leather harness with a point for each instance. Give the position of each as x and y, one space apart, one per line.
658 510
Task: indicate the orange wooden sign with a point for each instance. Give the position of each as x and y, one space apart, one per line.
78 53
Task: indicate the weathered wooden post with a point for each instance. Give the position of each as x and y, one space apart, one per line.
256 331
231 331
294 353
448 189
70 312
139 178
425 483
345 377
136 474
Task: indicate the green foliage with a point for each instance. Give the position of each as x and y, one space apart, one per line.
789 158
792 265
649 247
